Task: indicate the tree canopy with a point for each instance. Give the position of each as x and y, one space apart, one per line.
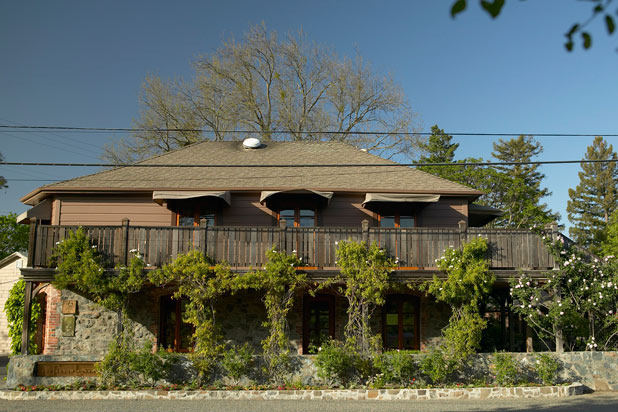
594 199
282 88
13 236
600 10
514 189
521 192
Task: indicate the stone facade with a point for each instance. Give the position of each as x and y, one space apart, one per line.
335 394
91 328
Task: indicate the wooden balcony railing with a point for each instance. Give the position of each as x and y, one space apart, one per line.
245 247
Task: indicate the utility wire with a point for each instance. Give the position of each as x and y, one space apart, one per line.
308 165
26 128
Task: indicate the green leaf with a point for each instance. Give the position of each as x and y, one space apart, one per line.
609 23
569 45
573 29
493 8
458 7
587 40
598 8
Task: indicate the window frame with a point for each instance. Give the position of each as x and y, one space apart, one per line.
397 217
297 210
164 301
196 217
400 299
307 301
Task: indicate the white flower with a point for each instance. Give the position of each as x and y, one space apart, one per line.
294 251
336 242
132 250
319 349
562 313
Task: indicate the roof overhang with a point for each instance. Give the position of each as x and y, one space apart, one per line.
479 215
399 198
163 195
268 196
42 211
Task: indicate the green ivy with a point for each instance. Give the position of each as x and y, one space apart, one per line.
280 281
467 284
365 271
202 282
14 309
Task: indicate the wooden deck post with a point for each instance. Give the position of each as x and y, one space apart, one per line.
25 331
282 235
204 234
365 227
124 249
463 229
34 225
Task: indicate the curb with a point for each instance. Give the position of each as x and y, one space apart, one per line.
326 394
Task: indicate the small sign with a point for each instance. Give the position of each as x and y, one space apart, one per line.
69 307
65 369
68 326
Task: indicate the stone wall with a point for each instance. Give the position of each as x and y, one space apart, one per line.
595 370
91 328
313 395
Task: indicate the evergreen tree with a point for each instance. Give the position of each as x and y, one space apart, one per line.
519 190
594 199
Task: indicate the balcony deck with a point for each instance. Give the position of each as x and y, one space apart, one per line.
245 247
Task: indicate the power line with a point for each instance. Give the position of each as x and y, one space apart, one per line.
538 162
26 128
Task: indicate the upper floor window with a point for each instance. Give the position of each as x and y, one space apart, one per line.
297 217
396 220
195 219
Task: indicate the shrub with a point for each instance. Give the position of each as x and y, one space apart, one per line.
237 361
124 365
506 368
335 363
14 309
547 368
437 367
396 367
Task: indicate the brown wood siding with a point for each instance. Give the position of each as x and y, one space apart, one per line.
445 213
246 210
55 220
110 210
345 211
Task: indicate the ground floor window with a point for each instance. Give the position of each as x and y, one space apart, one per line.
401 322
318 321
175 335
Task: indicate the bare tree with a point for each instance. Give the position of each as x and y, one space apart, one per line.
285 89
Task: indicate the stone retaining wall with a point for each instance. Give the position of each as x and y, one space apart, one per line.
595 370
351 394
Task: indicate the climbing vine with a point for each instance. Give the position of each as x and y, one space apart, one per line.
14 309
280 281
202 282
468 282
364 271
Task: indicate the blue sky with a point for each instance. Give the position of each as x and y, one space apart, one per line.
82 64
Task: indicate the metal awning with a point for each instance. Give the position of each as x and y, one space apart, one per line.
41 211
268 194
160 195
480 215
399 198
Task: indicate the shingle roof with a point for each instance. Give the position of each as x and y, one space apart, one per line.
393 178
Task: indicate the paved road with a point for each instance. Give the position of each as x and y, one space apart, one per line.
607 402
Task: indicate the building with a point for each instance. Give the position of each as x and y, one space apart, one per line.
234 201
